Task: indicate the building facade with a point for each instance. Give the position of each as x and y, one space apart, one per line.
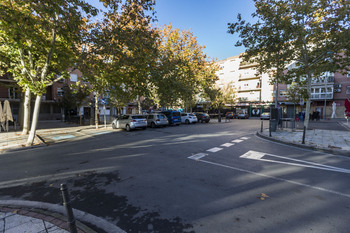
253 91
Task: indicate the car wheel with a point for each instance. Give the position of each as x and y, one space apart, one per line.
153 125
144 128
187 121
114 126
127 127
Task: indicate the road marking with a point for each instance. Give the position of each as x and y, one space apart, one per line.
277 178
227 144
63 137
197 156
103 132
244 138
215 149
296 162
237 141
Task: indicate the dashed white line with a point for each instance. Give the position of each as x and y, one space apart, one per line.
215 149
197 156
237 141
244 138
227 144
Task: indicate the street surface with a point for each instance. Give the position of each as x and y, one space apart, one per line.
189 178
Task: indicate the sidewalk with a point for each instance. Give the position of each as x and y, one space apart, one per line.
321 136
37 217
49 132
17 216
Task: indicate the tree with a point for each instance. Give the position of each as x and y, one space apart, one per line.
119 51
296 92
300 32
42 38
229 94
182 67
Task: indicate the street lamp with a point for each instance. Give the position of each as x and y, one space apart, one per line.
325 97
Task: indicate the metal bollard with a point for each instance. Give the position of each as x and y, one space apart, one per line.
303 142
262 125
270 129
66 203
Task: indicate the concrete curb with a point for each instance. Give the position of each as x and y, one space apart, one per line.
323 150
79 215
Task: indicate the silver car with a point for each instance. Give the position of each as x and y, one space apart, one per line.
157 119
129 122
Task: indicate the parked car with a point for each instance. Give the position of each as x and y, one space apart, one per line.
157 120
230 115
129 122
202 117
265 116
174 117
188 118
242 115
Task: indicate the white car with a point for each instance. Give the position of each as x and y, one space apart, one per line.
188 118
130 122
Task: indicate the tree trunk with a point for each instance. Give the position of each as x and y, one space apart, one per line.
34 121
97 112
26 112
308 102
139 105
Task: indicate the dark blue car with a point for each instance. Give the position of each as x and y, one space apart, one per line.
174 117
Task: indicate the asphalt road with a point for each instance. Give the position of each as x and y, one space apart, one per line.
191 178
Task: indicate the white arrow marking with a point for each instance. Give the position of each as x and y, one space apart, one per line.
244 138
301 163
197 156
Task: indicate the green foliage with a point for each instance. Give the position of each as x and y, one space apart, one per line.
304 32
40 38
182 69
121 49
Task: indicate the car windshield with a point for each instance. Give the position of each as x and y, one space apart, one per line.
176 113
191 114
204 114
161 116
138 117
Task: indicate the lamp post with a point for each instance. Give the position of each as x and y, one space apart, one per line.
325 97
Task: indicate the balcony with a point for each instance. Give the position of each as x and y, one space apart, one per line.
321 96
248 76
246 65
323 80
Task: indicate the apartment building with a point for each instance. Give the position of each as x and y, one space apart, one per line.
51 104
326 89
254 93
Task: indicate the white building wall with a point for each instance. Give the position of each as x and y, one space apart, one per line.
230 72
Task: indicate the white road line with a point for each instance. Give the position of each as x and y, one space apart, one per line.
297 162
197 156
215 149
237 141
276 178
244 138
227 144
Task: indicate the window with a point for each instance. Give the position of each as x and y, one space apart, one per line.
59 91
13 93
283 93
73 77
348 90
348 74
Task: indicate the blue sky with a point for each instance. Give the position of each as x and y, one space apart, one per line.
207 19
